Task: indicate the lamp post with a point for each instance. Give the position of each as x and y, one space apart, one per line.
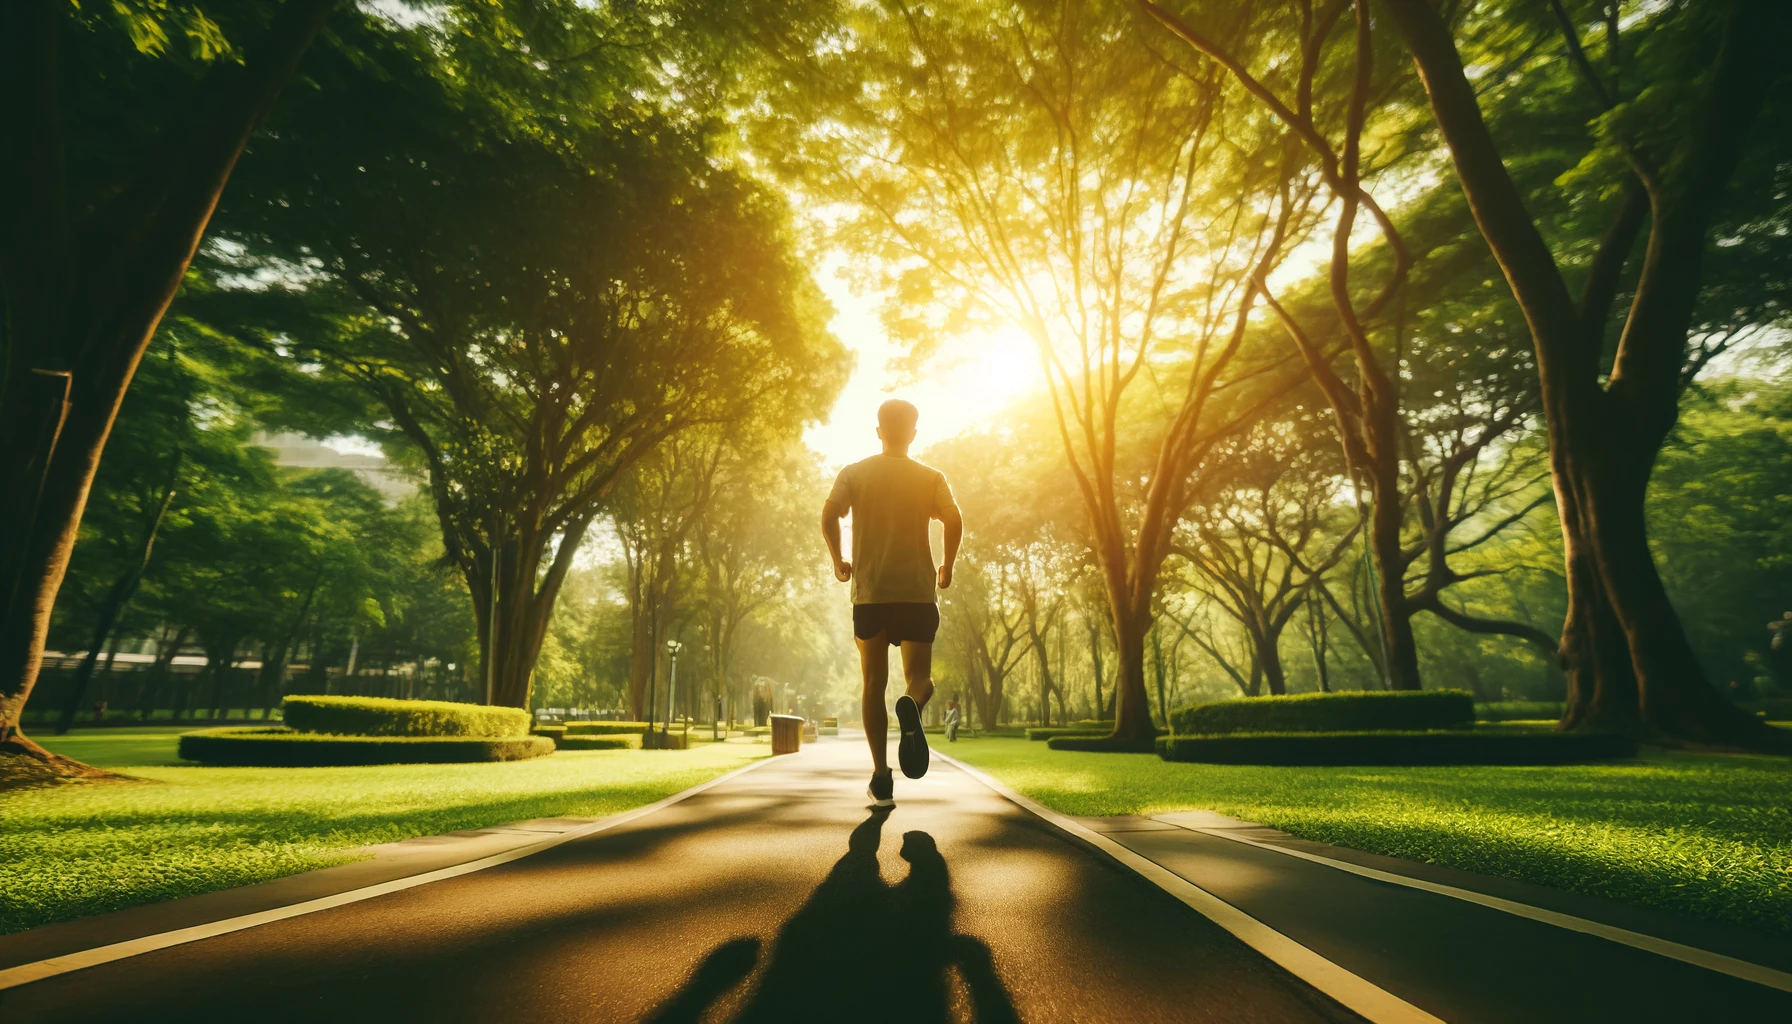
672 648
716 726
491 629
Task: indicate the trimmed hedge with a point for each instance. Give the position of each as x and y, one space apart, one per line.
283 748
596 743
383 716
605 728
1101 743
1348 711
1043 732
1397 748
1518 710
1049 732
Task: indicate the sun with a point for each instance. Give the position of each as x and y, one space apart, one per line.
973 379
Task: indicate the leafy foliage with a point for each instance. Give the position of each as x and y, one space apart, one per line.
380 716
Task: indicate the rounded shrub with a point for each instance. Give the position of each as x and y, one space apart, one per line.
383 716
284 748
1346 711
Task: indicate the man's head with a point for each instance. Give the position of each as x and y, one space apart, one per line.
896 423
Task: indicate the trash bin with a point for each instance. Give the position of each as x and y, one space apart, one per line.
787 734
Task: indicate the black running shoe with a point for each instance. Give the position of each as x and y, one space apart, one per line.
882 790
911 750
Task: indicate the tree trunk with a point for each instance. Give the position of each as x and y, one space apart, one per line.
159 672
1096 668
84 296
1602 690
1316 637
1133 729
277 652
102 634
1269 660
525 594
1671 693
220 659
1046 684
1390 591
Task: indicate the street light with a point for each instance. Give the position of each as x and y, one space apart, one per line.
716 726
672 648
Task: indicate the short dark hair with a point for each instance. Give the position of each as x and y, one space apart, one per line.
897 413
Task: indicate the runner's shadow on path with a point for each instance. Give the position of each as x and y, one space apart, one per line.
859 948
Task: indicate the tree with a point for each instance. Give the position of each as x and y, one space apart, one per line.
534 319
1671 151
655 514
131 499
1263 536
762 500
988 626
94 242
1042 164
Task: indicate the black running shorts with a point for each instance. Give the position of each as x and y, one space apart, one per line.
917 621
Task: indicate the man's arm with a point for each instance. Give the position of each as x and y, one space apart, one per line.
954 534
831 514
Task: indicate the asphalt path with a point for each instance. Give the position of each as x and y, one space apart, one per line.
775 896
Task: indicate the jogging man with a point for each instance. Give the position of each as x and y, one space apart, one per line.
892 498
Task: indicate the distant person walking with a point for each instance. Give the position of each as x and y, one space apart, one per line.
892 498
953 717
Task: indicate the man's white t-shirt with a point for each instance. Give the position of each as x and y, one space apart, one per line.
891 500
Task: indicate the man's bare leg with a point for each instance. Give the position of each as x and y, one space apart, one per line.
874 666
917 671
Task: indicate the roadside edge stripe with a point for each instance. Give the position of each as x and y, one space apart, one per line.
1705 958
38 970
1356 993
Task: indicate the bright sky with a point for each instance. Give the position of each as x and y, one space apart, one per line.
974 378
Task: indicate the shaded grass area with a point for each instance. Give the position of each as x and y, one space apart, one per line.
1706 835
73 850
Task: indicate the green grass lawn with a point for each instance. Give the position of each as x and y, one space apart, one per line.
73 850
1708 835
